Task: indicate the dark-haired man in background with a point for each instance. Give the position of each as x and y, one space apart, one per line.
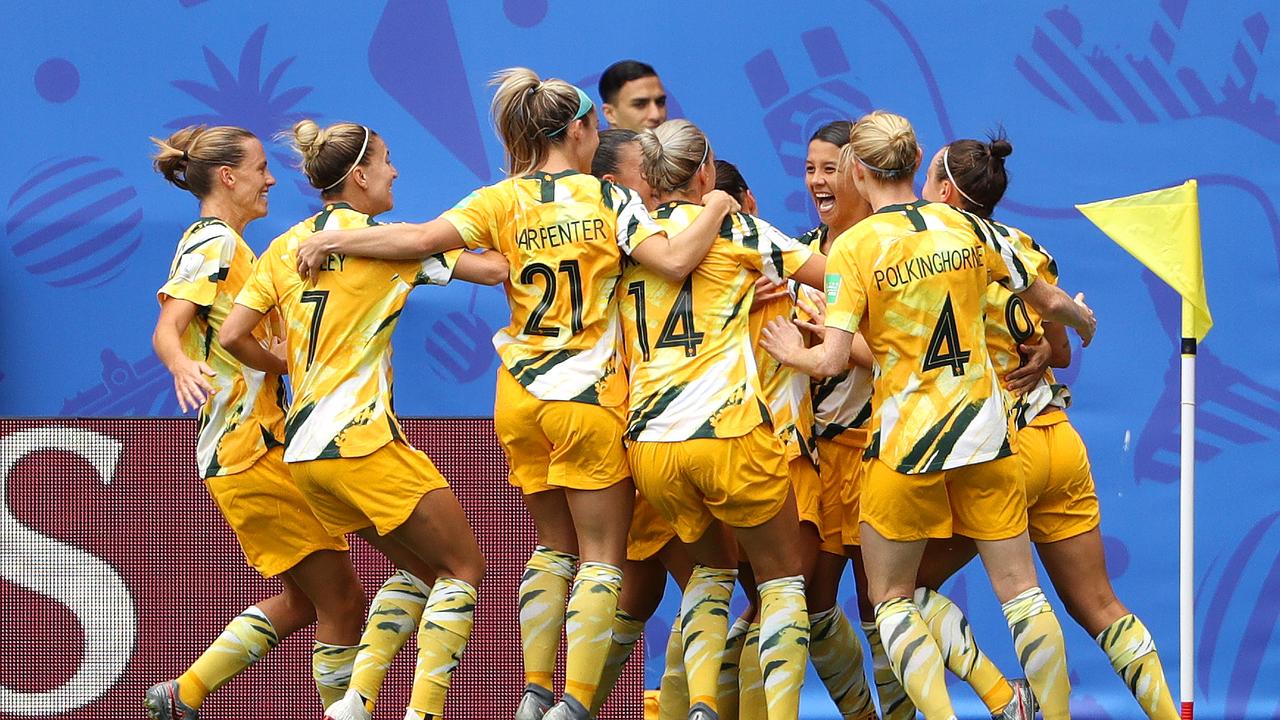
633 96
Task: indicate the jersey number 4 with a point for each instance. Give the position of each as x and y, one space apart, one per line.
570 268
944 346
678 330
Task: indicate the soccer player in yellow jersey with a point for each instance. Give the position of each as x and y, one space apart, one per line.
652 550
345 447
912 278
1062 504
239 452
559 403
701 447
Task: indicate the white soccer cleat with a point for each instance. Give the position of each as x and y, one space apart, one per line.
534 704
350 707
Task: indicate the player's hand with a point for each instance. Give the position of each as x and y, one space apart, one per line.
781 339
814 305
1035 360
313 252
720 202
767 291
280 348
1088 323
190 383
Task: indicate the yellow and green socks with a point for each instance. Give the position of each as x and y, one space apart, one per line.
914 656
442 635
784 644
331 667
245 639
837 656
727 681
960 653
751 700
393 616
588 624
1133 656
543 591
627 629
673 692
894 703
1038 642
704 625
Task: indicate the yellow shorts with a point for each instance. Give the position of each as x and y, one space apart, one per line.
649 533
275 527
986 501
741 481
842 469
808 489
1061 500
377 490
551 443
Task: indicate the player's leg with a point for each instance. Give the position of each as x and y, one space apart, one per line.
898 513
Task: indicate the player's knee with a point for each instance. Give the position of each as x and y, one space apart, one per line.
297 606
1093 608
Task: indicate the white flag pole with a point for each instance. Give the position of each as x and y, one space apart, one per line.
1186 571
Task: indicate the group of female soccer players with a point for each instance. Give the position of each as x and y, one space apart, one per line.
673 397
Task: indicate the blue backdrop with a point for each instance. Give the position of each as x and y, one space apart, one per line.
1098 103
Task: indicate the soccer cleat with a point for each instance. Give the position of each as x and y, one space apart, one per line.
567 709
350 707
163 703
1023 705
534 704
700 711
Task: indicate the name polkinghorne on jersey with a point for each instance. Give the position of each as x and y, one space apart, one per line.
919 268
562 233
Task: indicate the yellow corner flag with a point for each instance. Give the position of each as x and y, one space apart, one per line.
1161 229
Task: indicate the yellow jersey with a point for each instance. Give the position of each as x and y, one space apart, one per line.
689 353
842 402
1011 322
244 416
339 336
564 236
912 278
786 391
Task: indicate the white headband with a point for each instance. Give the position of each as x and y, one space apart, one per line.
363 146
946 151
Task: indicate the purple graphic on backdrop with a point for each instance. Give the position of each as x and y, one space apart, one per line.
248 98
143 389
1239 620
525 13
1061 69
73 222
57 80
792 116
460 343
414 56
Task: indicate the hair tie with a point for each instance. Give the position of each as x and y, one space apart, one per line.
889 174
533 88
354 165
706 150
185 156
946 152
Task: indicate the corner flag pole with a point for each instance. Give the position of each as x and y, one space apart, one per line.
1187 525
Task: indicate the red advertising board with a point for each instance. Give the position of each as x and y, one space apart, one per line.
117 571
